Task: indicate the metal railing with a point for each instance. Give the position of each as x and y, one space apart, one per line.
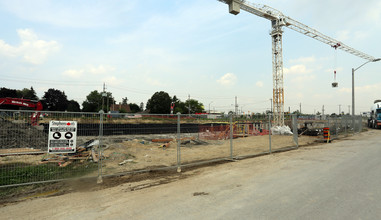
115 144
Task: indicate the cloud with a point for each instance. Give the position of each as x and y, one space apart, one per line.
153 82
303 78
31 49
101 69
73 73
85 14
303 60
112 80
296 69
228 79
363 89
259 84
89 70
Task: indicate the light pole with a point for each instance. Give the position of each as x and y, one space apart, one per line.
353 83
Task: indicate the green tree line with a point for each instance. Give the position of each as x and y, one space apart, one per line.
56 100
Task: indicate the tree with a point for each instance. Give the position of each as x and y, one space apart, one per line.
27 94
73 106
55 100
296 112
194 105
134 108
183 107
5 92
179 106
95 100
124 101
159 103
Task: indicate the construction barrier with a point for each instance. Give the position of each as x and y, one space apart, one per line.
326 134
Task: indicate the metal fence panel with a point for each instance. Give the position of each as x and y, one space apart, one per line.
113 144
23 148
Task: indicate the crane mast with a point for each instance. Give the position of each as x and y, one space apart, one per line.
278 21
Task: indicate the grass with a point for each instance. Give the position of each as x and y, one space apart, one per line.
18 173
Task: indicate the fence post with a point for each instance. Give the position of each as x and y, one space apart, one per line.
231 134
100 180
346 125
270 133
178 144
295 130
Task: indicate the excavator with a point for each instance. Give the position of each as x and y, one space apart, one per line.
32 104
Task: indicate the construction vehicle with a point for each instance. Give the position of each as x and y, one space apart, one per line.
31 104
375 115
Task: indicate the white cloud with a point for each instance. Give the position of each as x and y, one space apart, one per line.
303 60
296 69
304 78
88 71
101 69
259 84
73 73
363 89
228 79
85 14
112 80
153 82
31 48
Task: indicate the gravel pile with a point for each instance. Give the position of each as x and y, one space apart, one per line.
18 134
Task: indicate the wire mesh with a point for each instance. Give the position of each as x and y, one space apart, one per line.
24 152
114 143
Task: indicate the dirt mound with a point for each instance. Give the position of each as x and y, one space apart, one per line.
15 134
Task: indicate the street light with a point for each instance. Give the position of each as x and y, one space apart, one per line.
353 83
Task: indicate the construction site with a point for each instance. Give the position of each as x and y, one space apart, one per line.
50 153
126 145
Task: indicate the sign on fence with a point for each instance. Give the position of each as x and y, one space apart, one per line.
62 136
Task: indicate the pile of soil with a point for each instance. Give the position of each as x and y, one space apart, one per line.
14 134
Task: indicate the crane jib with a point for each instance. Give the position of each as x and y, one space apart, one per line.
278 21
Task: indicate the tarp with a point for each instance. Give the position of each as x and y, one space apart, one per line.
282 130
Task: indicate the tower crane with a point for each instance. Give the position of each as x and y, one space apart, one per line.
278 21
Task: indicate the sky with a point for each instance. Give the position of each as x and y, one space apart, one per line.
190 49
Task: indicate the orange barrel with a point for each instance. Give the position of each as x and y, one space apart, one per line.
326 133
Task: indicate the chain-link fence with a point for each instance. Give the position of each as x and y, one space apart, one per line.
64 145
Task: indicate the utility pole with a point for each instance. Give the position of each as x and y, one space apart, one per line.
300 108
236 106
103 95
339 109
322 110
349 109
271 101
189 104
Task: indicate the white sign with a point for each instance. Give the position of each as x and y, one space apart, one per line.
62 136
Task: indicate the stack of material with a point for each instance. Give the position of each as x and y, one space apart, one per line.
84 152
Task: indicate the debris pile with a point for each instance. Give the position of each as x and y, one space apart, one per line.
84 152
309 131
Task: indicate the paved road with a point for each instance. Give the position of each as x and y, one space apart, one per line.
341 180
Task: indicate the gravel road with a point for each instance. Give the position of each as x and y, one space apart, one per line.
340 180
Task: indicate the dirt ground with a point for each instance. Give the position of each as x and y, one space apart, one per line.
85 198
134 153
129 153
140 153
